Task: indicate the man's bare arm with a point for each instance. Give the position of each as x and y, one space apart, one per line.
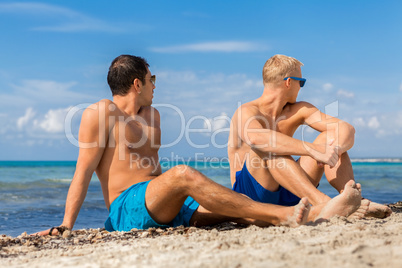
266 141
341 132
92 137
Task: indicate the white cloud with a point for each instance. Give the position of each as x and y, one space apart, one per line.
218 46
391 124
373 123
24 120
400 87
218 122
71 21
44 91
40 126
53 121
359 122
45 86
382 125
345 94
327 87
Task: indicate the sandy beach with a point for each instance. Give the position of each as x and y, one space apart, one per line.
340 242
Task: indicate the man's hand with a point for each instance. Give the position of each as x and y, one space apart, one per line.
52 231
324 153
46 232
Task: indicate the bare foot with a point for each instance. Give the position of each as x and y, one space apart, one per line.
299 215
377 210
343 204
361 211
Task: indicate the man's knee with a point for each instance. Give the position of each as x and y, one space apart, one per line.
278 162
185 174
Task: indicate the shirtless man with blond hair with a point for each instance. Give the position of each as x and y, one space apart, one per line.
261 145
120 140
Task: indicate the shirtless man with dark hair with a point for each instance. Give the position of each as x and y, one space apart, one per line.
120 140
261 145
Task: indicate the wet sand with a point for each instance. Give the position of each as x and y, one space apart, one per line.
367 242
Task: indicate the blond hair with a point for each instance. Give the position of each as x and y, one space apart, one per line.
279 67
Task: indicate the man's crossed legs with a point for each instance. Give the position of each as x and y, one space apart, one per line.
302 178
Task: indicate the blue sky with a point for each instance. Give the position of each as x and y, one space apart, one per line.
207 56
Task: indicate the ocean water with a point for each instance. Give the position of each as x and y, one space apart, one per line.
33 193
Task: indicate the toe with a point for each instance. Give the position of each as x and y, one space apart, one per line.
358 186
350 183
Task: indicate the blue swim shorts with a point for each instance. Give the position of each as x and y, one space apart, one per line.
247 184
128 211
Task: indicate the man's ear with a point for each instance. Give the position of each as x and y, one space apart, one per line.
137 84
287 82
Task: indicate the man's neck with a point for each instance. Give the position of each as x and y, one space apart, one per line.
272 101
128 104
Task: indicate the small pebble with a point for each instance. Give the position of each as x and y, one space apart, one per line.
144 234
67 234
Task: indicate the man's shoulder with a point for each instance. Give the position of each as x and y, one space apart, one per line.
149 109
301 110
249 108
99 110
149 114
299 105
104 105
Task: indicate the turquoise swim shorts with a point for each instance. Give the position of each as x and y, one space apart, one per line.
128 211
